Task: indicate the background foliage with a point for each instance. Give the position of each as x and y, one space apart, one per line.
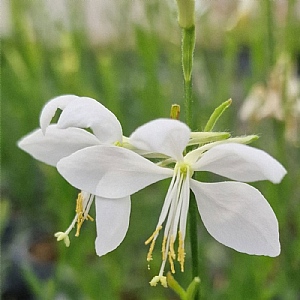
131 64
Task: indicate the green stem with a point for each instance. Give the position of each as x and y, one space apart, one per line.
193 212
187 49
188 102
188 46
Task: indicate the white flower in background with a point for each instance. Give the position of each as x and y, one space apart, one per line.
52 142
234 213
278 99
261 104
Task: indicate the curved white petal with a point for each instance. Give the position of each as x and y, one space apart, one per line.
56 143
112 221
86 112
164 136
241 162
51 107
238 216
110 171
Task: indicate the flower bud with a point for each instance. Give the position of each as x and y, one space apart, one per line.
186 13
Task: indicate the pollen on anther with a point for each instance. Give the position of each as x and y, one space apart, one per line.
172 251
181 253
163 248
80 214
172 255
151 240
149 255
90 218
153 235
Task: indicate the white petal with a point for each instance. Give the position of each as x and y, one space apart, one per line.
241 162
56 143
51 107
109 171
238 216
165 136
112 221
86 112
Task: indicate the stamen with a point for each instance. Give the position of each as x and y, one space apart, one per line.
149 255
163 248
181 253
90 218
151 240
153 235
172 255
173 216
80 213
171 262
172 251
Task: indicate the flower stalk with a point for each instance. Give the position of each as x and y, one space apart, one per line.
186 22
188 46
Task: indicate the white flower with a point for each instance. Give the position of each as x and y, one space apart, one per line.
279 98
234 213
52 142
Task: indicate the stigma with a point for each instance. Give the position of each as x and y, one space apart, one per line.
83 205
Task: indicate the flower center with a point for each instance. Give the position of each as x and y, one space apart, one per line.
83 205
118 144
174 212
184 169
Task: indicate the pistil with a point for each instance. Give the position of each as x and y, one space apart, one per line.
83 205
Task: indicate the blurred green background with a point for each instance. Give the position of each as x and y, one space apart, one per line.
126 54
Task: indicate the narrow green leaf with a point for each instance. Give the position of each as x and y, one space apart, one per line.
216 115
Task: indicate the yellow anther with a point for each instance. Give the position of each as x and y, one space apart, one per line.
163 248
152 241
80 214
90 218
181 253
153 235
172 255
149 255
172 251
171 262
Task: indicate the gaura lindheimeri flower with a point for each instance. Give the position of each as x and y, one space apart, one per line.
52 142
279 99
234 213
